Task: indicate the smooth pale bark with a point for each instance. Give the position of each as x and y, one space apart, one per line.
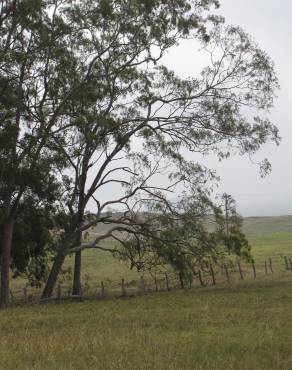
5 262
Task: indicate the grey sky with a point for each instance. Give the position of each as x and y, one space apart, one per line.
269 23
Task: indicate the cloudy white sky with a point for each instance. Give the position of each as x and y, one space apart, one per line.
270 25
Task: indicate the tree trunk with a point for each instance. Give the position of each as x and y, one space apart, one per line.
54 273
5 262
76 290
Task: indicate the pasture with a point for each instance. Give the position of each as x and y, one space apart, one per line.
241 325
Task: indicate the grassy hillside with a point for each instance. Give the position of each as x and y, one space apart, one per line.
267 225
251 225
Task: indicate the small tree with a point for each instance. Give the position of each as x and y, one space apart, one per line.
233 237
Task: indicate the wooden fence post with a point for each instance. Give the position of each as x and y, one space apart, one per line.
11 301
142 285
181 280
59 294
200 278
226 273
286 262
270 264
266 267
124 293
102 292
167 282
254 270
155 282
240 270
212 274
190 276
25 295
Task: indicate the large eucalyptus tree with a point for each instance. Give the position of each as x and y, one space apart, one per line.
84 88
137 119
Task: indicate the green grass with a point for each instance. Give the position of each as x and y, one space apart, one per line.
274 245
267 225
241 325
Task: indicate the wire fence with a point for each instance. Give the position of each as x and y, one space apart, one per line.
210 275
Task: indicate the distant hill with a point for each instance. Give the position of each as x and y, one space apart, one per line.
267 225
251 225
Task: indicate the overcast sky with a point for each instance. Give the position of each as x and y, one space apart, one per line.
269 23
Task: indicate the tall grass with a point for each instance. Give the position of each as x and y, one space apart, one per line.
243 326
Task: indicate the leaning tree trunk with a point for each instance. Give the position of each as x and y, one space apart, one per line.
5 262
59 260
55 270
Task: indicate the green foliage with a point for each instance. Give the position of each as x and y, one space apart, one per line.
187 240
31 241
230 228
237 243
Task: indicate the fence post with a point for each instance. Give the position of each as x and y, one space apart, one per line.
254 270
102 290
167 282
190 276
181 280
266 267
124 293
142 285
226 273
155 282
11 301
25 295
290 262
212 274
200 278
286 262
270 264
240 270
59 294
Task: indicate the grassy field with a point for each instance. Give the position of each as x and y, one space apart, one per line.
241 325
